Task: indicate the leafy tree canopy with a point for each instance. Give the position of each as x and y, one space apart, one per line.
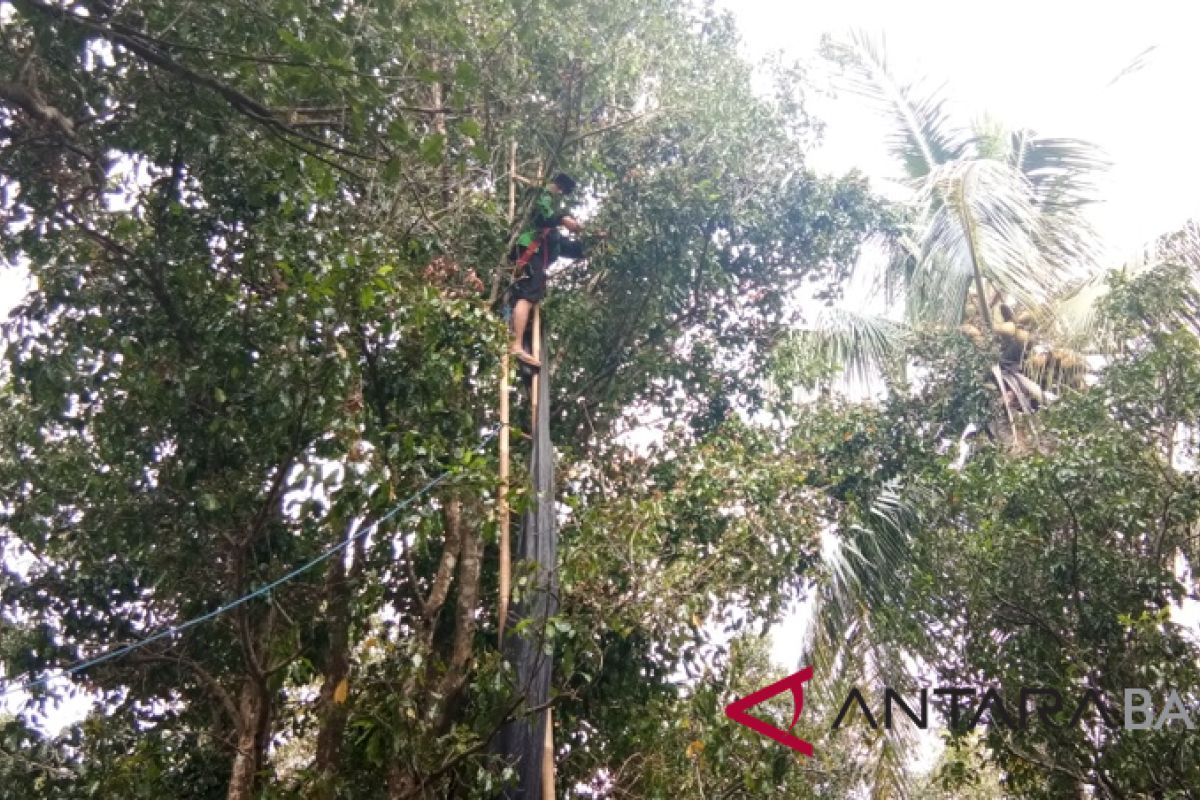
265 239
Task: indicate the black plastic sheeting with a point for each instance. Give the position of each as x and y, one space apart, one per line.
521 740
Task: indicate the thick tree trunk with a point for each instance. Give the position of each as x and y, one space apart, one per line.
254 724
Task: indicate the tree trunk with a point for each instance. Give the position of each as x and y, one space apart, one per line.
461 557
333 709
253 731
451 549
462 648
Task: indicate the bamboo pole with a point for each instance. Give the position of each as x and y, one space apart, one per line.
548 758
504 517
512 182
548 740
537 354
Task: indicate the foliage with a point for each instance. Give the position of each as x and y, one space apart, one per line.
256 232
1055 567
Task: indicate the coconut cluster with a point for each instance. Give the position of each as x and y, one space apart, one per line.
1023 341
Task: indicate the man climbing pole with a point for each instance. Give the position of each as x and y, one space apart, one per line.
539 246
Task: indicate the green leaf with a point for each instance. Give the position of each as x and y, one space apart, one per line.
432 147
465 75
470 128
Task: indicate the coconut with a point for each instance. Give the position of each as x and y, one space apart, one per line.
1037 362
1068 360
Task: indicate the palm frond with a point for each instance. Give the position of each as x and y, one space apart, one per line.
1078 313
861 344
858 575
1062 174
937 292
1074 313
881 539
923 136
1138 63
860 563
1182 249
903 256
932 288
982 218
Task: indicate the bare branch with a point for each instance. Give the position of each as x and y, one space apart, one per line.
623 123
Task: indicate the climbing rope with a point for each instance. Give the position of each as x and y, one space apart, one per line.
80 666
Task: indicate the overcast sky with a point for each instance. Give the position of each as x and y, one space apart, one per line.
1047 65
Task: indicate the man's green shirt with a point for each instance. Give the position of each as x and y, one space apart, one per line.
547 213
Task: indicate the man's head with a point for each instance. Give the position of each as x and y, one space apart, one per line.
563 183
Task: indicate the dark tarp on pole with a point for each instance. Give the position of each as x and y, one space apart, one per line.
521 740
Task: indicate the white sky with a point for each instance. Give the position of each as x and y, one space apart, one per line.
1045 65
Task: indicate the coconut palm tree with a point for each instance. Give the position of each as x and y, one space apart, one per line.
999 249
998 244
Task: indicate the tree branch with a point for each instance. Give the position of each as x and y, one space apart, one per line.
220 692
28 100
142 45
623 123
452 545
468 597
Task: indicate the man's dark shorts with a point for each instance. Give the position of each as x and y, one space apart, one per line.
531 285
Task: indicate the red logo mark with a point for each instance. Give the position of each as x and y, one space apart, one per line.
736 710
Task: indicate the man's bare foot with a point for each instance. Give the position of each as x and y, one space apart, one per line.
525 358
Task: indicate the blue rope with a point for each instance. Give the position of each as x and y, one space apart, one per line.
259 592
